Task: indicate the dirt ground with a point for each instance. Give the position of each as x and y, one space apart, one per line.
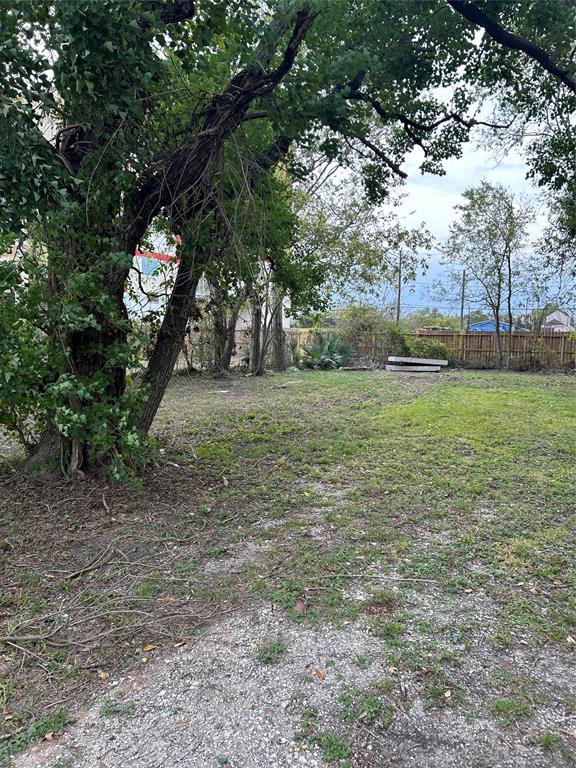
290 587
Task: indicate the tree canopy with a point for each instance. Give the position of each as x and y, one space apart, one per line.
122 113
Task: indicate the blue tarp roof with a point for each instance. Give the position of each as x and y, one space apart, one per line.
489 326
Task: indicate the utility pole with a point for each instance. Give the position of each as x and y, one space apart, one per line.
399 289
462 299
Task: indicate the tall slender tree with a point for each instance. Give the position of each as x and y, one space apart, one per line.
489 239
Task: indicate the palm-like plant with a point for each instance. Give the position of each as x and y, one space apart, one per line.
326 351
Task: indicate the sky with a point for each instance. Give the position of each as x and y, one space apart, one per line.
431 199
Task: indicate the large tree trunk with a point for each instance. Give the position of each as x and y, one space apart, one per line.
89 351
219 336
172 331
278 336
256 361
224 331
230 345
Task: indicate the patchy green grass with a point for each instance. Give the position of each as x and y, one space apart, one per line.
438 511
112 706
509 710
272 652
38 729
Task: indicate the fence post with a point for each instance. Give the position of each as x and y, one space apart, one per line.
562 345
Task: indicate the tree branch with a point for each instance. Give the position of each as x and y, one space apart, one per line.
510 40
185 171
302 23
408 122
385 159
171 13
257 115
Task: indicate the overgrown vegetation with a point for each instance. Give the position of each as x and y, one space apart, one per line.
325 352
297 489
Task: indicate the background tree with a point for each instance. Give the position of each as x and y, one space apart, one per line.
557 246
489 240
357 246
431 316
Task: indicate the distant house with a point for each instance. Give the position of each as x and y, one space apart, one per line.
149 286
488 326
557 322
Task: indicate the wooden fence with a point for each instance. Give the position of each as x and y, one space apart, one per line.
527 350
476 350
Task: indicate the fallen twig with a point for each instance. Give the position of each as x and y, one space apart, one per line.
97 562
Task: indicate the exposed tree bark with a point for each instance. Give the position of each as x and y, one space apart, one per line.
230 329
498 340
180 306
224 330
219 332
230 347
256 358
509 304
278 336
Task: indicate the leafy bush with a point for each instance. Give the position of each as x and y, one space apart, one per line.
356 321
39 388
398 344
326 351
427 348
24 365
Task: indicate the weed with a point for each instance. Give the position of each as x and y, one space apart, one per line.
308 724
359 706
149 587
362 661
333 748
270 653
111 706
509 709
549 740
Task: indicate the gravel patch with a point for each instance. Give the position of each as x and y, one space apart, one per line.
213 702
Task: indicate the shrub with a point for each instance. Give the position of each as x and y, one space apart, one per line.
326 351
357 321
422 347
398 344
294 352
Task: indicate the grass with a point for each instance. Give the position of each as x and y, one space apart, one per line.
362 706
445 504
111 706
510 709
271 653
333 748
38 729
